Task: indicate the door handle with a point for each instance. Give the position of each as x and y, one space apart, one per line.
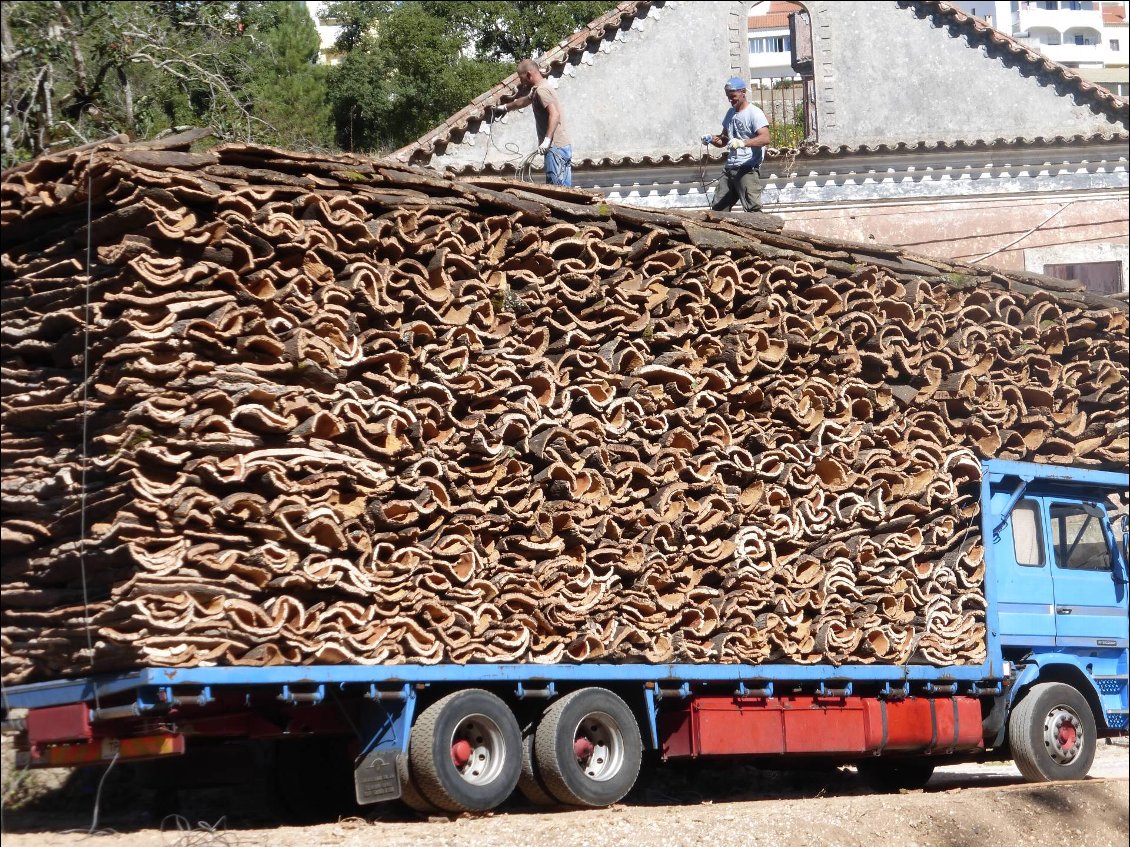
1063 610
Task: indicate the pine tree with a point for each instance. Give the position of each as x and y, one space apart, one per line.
287 88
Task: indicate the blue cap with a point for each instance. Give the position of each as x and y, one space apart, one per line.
735 83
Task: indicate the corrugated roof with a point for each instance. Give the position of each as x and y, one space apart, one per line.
977 32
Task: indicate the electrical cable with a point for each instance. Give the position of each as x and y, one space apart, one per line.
510 151
1016 241
94 830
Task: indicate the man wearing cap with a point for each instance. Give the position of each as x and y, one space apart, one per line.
549 121
745 135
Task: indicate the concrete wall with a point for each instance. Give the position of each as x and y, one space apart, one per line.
885 76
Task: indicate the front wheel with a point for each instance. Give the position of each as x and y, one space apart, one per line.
588 748
1052 733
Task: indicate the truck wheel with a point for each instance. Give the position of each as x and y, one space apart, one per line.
530 783
410 795
1052 733
893 774
587 748
465 752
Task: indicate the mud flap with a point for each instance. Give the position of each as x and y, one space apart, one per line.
376 778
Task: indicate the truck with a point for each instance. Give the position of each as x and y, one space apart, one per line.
453 738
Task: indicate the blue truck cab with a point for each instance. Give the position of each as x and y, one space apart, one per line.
1057 562
463 737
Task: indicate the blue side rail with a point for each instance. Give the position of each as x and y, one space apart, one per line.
668 676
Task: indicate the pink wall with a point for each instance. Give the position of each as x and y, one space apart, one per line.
967 230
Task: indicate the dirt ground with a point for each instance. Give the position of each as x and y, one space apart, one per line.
980 804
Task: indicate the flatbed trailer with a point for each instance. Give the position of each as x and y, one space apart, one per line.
463 737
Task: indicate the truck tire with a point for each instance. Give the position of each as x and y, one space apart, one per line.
410 795
587 748
530 783
894 774
1051 733
465 752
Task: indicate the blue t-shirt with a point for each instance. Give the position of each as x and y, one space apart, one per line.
744 124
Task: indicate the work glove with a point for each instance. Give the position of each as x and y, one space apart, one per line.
708 139
736 144
544 146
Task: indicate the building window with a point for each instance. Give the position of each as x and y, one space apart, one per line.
1098 277
1114 44
770 44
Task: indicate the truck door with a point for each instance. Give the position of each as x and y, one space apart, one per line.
1090 593
1025 596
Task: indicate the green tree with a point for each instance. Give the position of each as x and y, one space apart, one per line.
409 65
79 71
287 88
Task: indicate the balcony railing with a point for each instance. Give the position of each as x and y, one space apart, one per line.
1088 54
1060 20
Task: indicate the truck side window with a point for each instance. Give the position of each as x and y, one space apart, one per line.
1026 540
1078 539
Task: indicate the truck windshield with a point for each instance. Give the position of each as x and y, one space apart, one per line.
1078 538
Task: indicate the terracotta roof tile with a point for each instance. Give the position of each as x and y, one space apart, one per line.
775 17
758 22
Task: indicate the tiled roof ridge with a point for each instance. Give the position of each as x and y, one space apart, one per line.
479 108
1110 103
818 151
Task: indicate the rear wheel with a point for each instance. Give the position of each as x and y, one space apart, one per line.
410 795
1052 733
465 752
530 782
587 748
893 774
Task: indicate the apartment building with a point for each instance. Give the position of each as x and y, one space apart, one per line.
770 47
1090 37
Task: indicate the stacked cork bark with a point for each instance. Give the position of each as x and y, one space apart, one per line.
263 407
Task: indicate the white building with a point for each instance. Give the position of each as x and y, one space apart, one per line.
770 48
1088 36
328 31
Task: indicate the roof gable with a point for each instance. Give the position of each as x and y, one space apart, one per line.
643 82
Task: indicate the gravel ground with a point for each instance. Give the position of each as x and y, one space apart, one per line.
963 805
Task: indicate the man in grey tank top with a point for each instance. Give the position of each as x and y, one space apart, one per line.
549 119
745 135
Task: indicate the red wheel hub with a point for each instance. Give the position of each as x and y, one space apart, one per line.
1067 735
582 749
460 753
